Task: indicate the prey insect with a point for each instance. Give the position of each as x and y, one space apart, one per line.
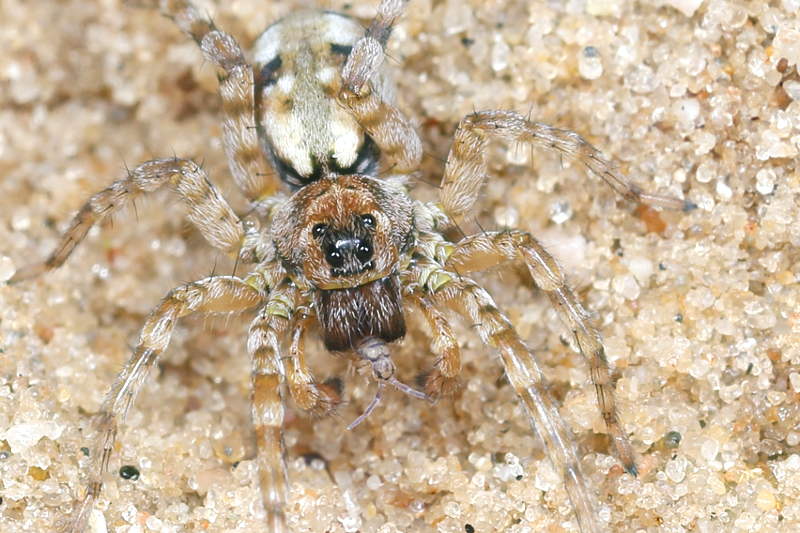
336 246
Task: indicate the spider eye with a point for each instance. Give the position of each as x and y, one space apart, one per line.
368 220
363 251
319 230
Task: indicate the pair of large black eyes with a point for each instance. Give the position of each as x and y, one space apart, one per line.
367 219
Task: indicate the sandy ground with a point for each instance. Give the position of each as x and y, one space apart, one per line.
699 99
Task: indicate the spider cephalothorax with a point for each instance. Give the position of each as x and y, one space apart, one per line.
349 246
344 237
343 232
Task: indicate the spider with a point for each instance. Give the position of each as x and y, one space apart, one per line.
336 245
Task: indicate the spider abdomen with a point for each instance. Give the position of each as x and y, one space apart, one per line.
302 127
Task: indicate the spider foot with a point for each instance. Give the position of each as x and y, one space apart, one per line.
329 397
436 385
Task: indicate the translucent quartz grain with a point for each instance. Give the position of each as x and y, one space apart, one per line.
7 268
590 64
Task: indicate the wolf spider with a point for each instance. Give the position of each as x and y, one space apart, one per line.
338 246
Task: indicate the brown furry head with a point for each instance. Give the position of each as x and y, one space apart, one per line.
344 232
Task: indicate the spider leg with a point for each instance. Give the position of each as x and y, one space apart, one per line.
208 210
526 378
366 58
319 399
267 372
443 379
236 89
483 251
221 294
465 171
393 132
